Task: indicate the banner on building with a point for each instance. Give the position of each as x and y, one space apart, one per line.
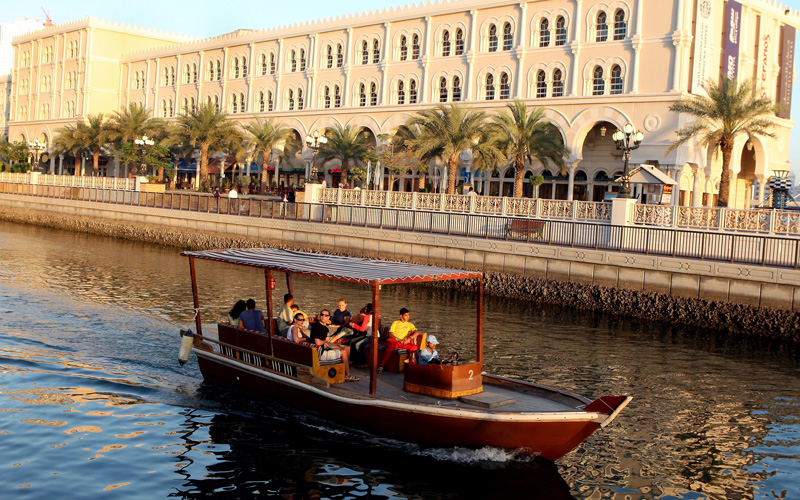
733 21
703 36
765 86
786 76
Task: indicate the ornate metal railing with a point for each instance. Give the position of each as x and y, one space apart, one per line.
124 184
748 249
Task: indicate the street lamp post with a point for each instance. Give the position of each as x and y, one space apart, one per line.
627 140
143 143
37 147
315 142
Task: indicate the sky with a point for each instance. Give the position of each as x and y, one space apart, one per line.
204 18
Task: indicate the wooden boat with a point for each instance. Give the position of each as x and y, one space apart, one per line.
440 405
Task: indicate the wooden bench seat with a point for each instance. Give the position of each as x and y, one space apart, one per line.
525 228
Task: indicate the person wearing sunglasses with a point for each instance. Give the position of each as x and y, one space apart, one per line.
296 332
327 349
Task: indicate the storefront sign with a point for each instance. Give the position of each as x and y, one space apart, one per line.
764 83
666 194
733 24
704 32
786 76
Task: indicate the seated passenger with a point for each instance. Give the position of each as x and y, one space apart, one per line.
296 332
340 321
363 329
295 310
402 335
285 316
238 308
429 353
328 350
252 318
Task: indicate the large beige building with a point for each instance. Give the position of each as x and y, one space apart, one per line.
593 65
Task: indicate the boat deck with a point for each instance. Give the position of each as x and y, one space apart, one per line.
390 385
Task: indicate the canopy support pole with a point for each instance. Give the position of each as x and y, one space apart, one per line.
480 320
198 340
289 282
376 328
268 279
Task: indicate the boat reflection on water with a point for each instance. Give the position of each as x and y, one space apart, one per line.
262 448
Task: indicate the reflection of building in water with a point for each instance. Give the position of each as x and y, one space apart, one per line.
594 66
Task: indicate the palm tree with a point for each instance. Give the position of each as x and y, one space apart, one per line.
134 122
347 143
210 130
526 135
402 141
263 137
447 131
729 111
89 136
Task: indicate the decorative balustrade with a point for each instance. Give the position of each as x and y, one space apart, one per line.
117 183
427 201
652 215
698 217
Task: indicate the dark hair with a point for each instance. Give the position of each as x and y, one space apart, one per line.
251 304
300 314
287 297
237 309
368 308
403 311
294 306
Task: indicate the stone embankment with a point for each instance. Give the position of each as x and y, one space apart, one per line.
738 319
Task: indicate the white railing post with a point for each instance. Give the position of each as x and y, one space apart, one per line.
537 207
473 201
573 210
503 206
414 200
773 221
441 202
363 194
673 219
339 195
722 214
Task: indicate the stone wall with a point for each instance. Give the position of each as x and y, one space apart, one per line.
704 315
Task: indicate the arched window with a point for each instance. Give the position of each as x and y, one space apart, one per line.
373 94
505 86
242 106
135 81
616 79
337 97
598 84
544 33
561 31
192 105
339 56
164 108
541 85
234 104
194 72
187 77
244 67
291 100
166 76
445 44
261 103
376 51
272 64
263 64
492 38
489 87
412 91
364 52
185 108
401 92
270 101
172 75
327 98
236 67
602 27
415 47
558 83
302 59
459 42
362 95
620 25
210 75
300 102
216 103
293 60
508 37
443 89
456 89
403 48
329 56
219 70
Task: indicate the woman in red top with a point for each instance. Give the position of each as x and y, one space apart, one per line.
363 324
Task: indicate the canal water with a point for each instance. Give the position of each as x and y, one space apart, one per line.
93 403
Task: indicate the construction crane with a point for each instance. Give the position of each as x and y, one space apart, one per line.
48 21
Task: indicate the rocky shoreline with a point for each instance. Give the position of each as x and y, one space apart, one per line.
737 319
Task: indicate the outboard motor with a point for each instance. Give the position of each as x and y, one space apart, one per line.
187 339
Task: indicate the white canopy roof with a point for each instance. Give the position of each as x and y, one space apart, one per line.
648 174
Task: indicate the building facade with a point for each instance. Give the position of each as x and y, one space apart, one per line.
593 65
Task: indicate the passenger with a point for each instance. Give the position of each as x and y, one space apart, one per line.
285 315
429 353
252 318
296 309
363 326
340 322
296 332
327 349
402 335
233 315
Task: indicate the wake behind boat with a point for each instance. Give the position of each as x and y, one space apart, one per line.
437 404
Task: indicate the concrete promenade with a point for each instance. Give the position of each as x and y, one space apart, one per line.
754 285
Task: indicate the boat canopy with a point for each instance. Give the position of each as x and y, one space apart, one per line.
353 269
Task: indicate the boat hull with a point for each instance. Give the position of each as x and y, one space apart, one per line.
550 434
